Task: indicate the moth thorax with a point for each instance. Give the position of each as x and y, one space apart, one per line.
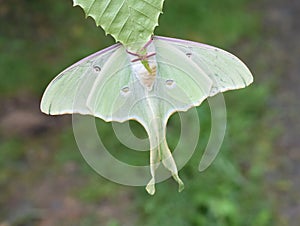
147 78
144 76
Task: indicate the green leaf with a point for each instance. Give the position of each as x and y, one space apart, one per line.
128 21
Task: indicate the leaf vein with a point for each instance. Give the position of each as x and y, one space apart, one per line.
91 6
115 16
154 6
142 13
121 29
105 8
128 37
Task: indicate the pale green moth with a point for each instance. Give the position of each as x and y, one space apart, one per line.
165 76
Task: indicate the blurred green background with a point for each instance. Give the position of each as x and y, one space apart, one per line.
45 181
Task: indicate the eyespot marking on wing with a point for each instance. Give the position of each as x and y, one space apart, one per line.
170 83
97 68
125 90
189 54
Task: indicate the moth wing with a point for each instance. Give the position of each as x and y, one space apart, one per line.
225 70
68 92
182 82
113 95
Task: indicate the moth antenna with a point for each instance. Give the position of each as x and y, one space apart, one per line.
142 57
135 60
150 55
148 43
132 53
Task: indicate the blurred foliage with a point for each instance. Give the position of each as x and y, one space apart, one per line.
220 23
35 46
40 38
229 192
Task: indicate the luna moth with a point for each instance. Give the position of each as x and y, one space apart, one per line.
165 76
